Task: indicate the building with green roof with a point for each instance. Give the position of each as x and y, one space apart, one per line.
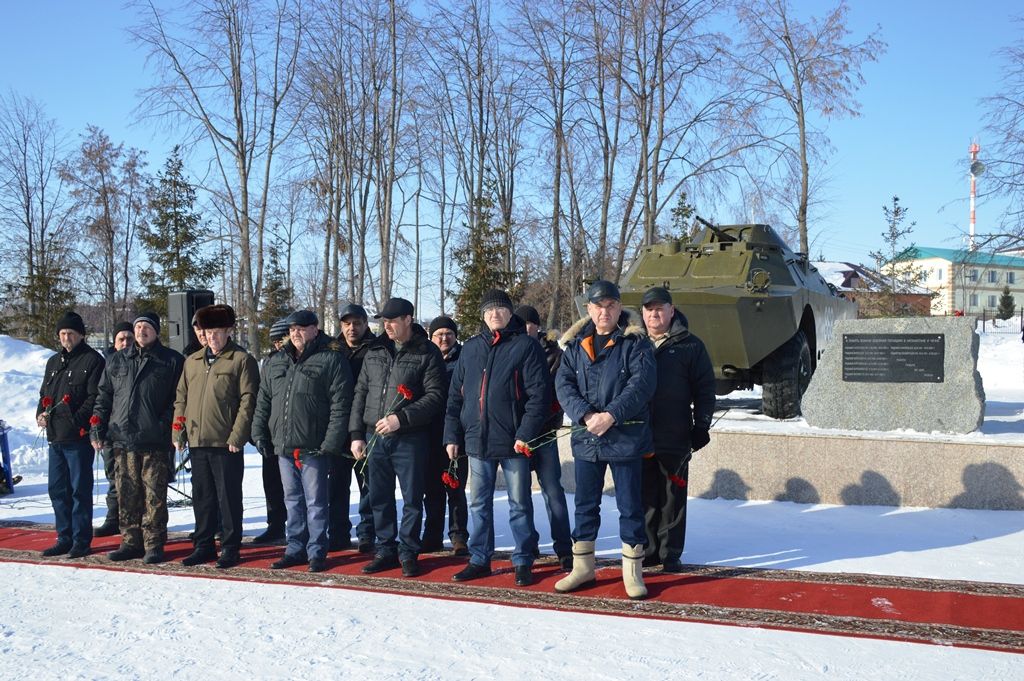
967 280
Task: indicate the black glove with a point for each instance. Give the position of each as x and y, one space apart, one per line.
266 449
699 437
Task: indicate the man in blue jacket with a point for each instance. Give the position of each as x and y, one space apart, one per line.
605 382
503 374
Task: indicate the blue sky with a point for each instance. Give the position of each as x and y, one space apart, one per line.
920 104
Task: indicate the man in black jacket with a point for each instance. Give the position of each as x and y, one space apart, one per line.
302 411
444 333
273 491
399 393
124 335
355 341
498 403
66 399
134 411
681 413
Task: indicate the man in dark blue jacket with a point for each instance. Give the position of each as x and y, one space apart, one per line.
497 403
605 382
681 413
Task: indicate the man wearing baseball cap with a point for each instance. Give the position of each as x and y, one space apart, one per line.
399 393
273 491
605 383
355 340
302 412
134 411
681 413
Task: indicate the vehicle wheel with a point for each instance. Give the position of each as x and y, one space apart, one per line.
785 374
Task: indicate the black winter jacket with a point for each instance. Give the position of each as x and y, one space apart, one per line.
77 375
619 380
136 397
304 400
418 366
498 394
685 395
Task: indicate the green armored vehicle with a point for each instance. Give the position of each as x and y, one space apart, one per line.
764 312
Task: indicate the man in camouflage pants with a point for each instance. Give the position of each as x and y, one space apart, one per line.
134 411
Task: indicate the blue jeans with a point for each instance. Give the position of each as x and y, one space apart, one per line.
549 474
482 474
70 488
403 456
306 498
627 476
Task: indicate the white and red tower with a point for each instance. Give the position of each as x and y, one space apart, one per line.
976 169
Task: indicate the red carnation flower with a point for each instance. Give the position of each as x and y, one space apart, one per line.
454 483
66 399
404 391
524 449
82 432
47 402
94 420
445 478
298 461
677 481
180 419
176 426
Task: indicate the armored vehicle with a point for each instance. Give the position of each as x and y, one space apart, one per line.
763 311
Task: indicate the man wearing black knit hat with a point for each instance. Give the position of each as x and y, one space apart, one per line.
133 411
444 333
66 399
507 371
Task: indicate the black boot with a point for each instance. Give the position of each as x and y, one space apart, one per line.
287 561
524 575
80 550
109 528
472 571
228 558
199 556
58 549
380 563
126 553
273 533
154 556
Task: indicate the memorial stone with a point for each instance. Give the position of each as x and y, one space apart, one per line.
917 373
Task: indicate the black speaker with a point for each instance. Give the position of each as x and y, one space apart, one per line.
181 306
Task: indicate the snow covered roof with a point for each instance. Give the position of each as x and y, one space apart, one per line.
961 255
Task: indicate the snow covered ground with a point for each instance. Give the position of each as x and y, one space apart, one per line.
58 622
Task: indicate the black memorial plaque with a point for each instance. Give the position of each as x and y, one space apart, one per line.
894 357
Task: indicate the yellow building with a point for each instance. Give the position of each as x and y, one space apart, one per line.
971 281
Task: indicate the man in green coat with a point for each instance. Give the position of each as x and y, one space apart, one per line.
213 413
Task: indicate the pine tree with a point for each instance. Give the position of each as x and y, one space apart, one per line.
480 259
277 295
1007 306
899 275
52 292
173 239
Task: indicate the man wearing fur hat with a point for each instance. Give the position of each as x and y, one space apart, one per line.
399 393
66 399
605 384
681 413
503 374
273 491
444 333
302 412
133 412
124 335
215 400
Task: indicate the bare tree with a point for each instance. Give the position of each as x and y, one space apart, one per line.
793 69
226 73
109 186
34 211
1004 157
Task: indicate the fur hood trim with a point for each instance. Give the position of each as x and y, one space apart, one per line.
630 322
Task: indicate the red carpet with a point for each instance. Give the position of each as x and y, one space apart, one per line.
989 616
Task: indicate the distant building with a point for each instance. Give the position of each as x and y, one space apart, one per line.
968 281
865 286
